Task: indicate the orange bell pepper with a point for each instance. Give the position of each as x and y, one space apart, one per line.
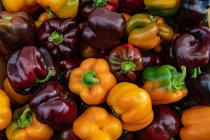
20 5
62 8
196 122
96 124
132 104
5 111
26 127
92 81
15 97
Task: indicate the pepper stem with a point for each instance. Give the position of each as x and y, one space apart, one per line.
49 75
25 119
128 66
89 78
172 138
179 80
51 14
195 73
100 3
56 37
6 19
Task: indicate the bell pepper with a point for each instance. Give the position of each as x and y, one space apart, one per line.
29 67
60 37
21 5
104 29
5 111
192 49
146 31
53 105
165 8
87 51
3 70
132 105
126 63
25 126
131 6
92 81
97 124
16 30
87 6
61 8
164 84
195 122
67 65
165 125
16 99
68 135
152 59
44 16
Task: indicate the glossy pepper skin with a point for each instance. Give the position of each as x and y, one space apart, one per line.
97 124
165 8
16 99
53 105
68 135
3 70
192 49
131 6
104 29
195 122
132 104
92 81
21 5
164 84
87 6
146 31
44 16
126 62
62 8
16 30
152 59
29 67
25 126
60 37
5 111
166 124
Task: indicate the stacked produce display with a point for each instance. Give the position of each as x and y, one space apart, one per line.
105 70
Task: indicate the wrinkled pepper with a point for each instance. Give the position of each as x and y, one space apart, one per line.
30 67
61 8
25 126
195 122
5 111
192 49
15 98
104 29
164 84
16 31
126 62
20 5
165 8
87 6
97 124
53 105
3 70
60 37
132 105
146 31
92 81
44 16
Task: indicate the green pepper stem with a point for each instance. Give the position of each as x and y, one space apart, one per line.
56 37
195 73
49 75
128 66
179 80
89 78
6 19
25 119
51 14
100 3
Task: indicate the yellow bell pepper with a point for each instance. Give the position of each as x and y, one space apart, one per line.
20 5
26 127
15 97
132 104
5 111
62 8
96 124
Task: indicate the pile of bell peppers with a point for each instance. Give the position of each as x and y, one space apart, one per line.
104 70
